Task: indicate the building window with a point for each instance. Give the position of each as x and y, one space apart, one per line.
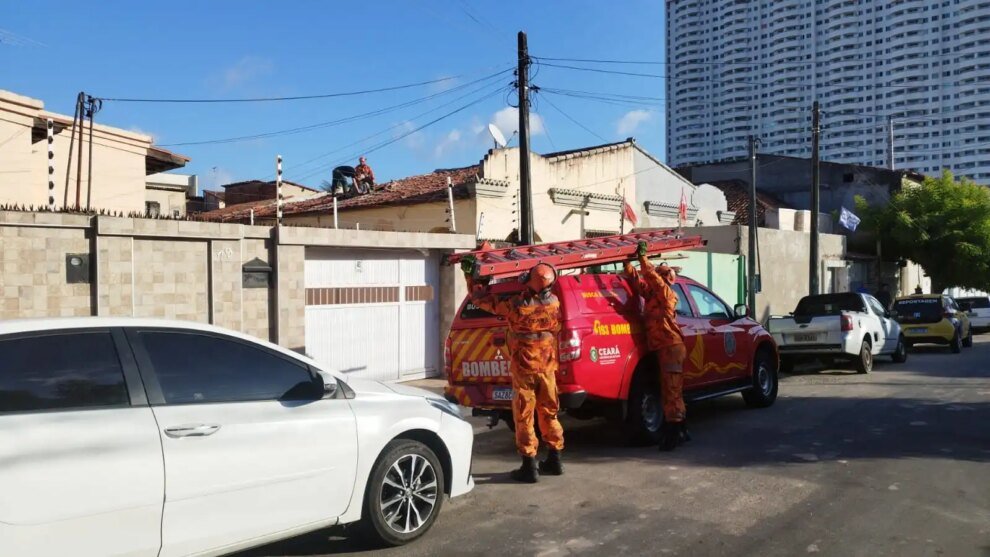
152 208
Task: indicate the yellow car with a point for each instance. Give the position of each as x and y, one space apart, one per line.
933 319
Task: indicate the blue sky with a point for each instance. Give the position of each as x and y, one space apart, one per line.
234 49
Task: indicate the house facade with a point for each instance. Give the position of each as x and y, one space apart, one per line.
121 161
576 194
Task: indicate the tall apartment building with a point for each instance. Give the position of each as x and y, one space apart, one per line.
737 68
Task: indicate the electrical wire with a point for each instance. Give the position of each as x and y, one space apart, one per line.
579 124
779 82
331 123
400 137
309 161
293 98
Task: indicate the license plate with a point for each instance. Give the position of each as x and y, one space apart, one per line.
805 337
502 393
918 331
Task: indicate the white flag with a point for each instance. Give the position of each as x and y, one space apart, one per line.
848 219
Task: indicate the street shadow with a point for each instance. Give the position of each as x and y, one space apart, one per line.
728 434
337 539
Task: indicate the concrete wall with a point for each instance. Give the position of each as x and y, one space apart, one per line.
783 264
118 161
181 270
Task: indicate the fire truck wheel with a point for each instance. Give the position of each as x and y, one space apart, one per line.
765 380
645 416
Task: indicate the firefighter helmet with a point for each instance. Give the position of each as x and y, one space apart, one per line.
541 277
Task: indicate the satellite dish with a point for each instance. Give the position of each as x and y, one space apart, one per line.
497 136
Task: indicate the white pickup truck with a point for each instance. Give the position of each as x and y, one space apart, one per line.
847 326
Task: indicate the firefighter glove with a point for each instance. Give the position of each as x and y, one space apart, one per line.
641 248
467 264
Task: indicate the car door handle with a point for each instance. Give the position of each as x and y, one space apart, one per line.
192 430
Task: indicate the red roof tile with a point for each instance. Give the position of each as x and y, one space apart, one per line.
424 188
737 197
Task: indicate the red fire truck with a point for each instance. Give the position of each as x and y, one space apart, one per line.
605 366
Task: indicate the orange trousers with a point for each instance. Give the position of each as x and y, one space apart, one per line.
536 393
672 382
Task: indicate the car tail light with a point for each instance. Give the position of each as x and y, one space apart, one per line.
569 345
847 323
448 360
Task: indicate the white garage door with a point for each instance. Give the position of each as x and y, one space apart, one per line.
373 313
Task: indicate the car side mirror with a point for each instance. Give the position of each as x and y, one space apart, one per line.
740 311
330 384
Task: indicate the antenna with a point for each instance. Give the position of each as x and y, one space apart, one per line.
497 136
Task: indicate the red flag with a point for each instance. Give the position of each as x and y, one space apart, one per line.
682 210
628 213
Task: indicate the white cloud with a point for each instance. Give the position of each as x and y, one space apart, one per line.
244 71
415 140
448 83
631 121
507 120
448 143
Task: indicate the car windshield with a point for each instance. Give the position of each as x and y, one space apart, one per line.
829 304
919 310
978 302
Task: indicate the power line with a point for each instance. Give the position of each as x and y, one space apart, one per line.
382 145
591 60
295 98
779 82
606 94
582 126
605 100
392 127
331 123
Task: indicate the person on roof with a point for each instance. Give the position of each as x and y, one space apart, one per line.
663 336
534 320
364 177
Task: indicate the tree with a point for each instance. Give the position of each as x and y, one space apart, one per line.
943 225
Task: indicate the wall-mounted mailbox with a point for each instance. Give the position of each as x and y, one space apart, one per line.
256 274
77 268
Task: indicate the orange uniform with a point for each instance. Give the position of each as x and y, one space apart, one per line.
534 321
663 334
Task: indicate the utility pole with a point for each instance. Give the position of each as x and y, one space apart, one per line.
80 100
753 283
815 186
525 235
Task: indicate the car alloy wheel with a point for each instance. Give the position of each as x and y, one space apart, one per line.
409 493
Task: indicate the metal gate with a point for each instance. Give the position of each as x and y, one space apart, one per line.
373 313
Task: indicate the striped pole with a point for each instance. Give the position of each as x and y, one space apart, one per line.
51 164
278 190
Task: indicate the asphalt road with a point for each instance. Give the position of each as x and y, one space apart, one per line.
896 462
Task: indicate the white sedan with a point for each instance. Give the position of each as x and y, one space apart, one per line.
143 437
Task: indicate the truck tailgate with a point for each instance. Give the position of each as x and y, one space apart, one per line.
794 332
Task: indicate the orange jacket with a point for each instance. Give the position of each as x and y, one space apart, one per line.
660 313
363 172
534 322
